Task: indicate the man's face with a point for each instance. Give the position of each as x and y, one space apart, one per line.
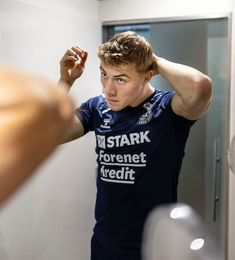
122 85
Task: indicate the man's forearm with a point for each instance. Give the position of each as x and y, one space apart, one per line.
188 82
67 84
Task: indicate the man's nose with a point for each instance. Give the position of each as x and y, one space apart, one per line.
110 88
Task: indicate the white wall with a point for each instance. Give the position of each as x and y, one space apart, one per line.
110 10
138 9
52 215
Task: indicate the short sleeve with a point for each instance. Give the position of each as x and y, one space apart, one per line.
166 104
85 114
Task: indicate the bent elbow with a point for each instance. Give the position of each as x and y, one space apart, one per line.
203 88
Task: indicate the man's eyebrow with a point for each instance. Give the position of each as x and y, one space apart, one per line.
118 75
102 69
121 75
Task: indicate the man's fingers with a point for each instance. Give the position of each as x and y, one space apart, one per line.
75 54
68 58
83 58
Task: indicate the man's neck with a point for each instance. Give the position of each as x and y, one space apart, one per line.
147 92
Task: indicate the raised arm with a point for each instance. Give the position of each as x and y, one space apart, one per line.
72 66
193 88
34 115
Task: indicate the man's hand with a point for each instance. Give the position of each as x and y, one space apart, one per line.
72 65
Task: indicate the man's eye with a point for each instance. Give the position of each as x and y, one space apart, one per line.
120 81
103 75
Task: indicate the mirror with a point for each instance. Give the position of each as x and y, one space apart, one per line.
203 44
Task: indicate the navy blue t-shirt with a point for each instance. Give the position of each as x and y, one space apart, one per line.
139 155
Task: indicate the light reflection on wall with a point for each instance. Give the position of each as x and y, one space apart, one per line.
176 232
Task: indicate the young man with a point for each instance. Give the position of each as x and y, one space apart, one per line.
34 115
140 136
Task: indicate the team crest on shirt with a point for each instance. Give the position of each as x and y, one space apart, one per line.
146 117
106 123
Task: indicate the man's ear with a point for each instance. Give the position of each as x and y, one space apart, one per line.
148 76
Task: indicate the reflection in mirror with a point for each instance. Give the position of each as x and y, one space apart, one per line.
203 44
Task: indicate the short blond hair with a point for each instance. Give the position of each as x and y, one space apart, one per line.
128 48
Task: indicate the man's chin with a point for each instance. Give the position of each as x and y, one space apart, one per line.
114 108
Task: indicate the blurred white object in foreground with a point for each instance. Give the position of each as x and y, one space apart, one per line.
231 155
174 232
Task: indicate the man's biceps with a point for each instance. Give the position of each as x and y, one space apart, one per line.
78 126
177 104
185 110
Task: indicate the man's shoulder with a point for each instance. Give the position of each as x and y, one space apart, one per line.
95 103
96 100
162 96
